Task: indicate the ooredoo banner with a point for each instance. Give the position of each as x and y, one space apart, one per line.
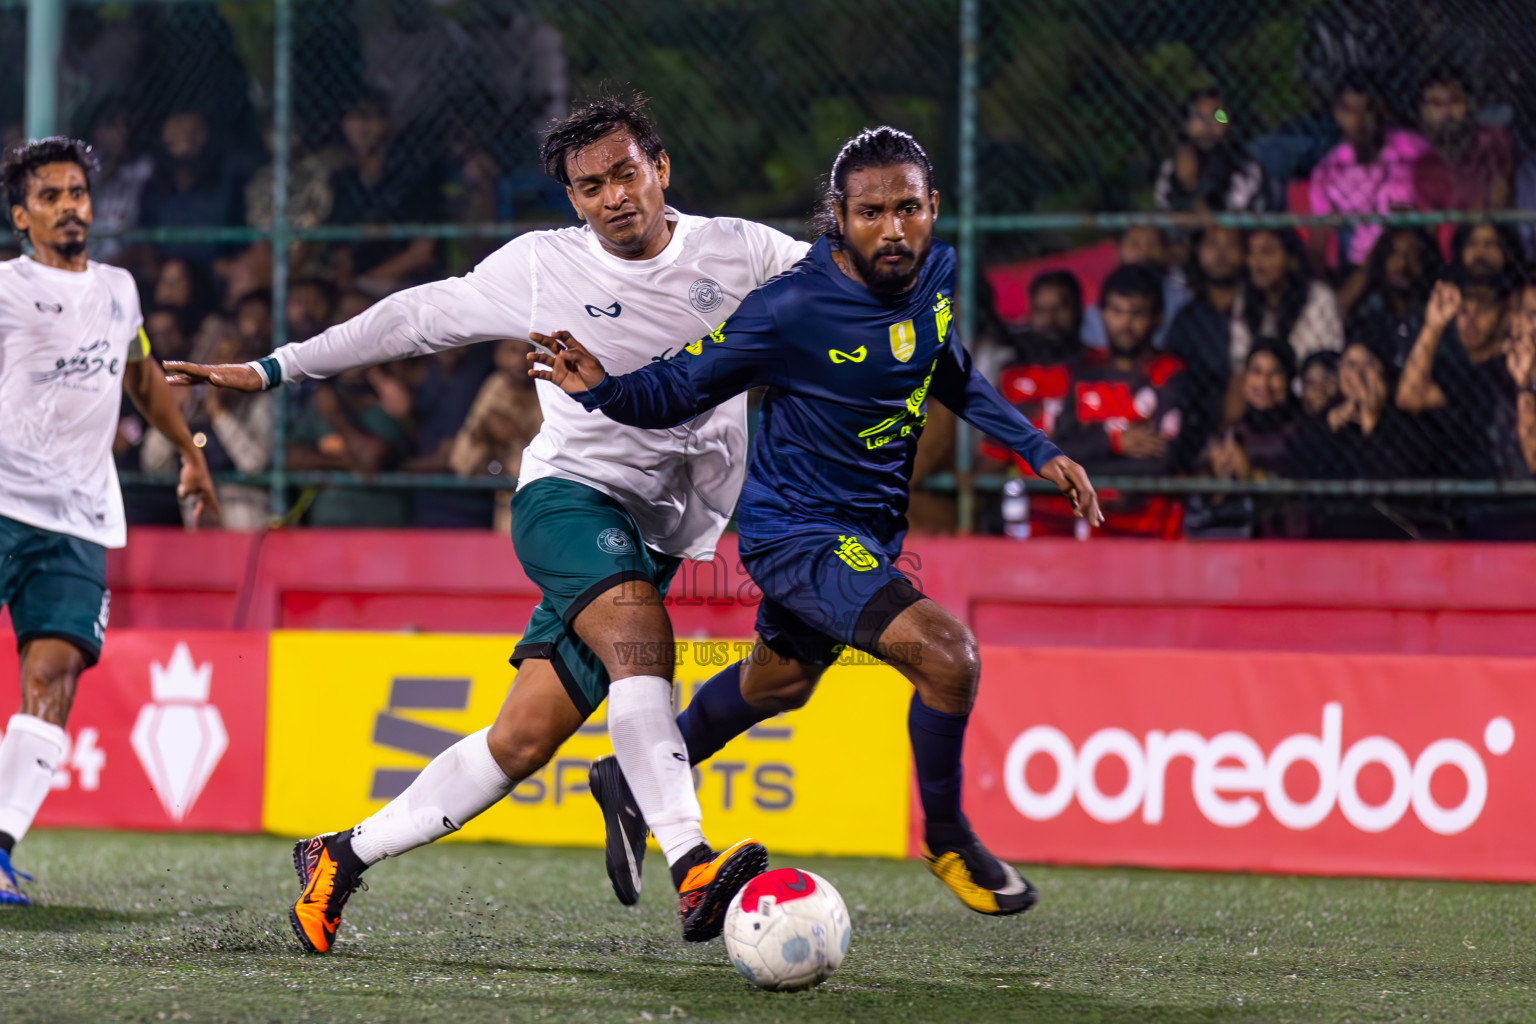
167 732
830 778
1306 763
1218 760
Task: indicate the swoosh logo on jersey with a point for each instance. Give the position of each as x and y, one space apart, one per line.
49 307
613 310
856 356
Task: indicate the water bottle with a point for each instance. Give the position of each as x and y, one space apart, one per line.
1015 509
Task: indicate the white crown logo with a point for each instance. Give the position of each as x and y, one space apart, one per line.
179 737
180 679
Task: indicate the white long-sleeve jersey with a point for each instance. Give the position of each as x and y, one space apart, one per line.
680 485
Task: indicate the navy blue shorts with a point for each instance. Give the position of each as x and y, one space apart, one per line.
825 589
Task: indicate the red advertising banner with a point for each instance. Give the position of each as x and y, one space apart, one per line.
168 731
1304 763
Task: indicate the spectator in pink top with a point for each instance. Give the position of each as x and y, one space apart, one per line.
1371 171
1470 164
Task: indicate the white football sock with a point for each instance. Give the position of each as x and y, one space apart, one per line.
654 758
459 784
30 751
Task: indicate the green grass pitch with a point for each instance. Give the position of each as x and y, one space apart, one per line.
193 928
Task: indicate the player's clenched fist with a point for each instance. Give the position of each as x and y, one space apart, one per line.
570 366
235 376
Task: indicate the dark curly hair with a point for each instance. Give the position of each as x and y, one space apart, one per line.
21 161
873 147
595 120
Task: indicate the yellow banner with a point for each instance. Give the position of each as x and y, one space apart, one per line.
352 717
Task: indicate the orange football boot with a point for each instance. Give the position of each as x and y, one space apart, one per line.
707 888
328 884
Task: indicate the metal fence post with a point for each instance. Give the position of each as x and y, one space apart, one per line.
970 40
282 122
45 39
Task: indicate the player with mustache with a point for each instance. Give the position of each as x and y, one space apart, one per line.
72 343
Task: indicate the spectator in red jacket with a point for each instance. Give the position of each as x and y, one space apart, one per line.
1035 376
1124 409
1054 333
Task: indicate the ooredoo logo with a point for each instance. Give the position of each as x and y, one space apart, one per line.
1231 774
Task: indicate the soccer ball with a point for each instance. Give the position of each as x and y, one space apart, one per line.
787 929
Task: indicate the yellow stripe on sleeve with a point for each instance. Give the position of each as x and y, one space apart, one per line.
138 348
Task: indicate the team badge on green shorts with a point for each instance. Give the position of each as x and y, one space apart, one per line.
615 541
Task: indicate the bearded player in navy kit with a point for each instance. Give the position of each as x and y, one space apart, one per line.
71 344
851 344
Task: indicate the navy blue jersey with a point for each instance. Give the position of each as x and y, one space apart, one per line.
849 376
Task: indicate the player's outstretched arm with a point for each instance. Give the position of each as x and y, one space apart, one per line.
655 396
234 376
661 394
485 306
961 386
145 384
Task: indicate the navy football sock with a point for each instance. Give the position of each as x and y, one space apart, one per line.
937 739
717 714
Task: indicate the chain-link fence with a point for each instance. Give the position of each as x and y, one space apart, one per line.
1199 241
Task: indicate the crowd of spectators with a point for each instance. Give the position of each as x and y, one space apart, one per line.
404 118
1365 352
211 302
1376 352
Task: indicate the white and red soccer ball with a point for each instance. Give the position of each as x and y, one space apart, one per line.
787 929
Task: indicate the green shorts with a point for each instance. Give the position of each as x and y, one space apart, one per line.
55 586
576 543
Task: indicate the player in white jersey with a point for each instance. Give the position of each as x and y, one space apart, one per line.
602 516
71 343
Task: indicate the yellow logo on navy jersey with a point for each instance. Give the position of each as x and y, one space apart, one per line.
943 315
883 432
856 555
717 336
903 340
920 395
856 356
904 423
